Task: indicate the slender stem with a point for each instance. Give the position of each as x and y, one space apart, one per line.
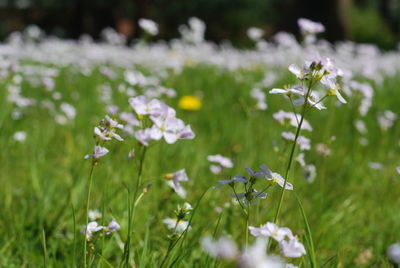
132 206
247 224
237 198
44 248
87 212
292 153
140 170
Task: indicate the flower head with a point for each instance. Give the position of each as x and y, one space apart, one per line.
174 179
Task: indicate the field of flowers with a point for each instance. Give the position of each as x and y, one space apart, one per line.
191 154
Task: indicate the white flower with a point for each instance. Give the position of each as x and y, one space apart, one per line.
102 136
142 106
255 33
92 228
360 126
171 129
112 123
386 119
260 97
129 118
178 225
310 173
297 71
94 215
143 136
302 141
222 160
271 230
287 91
148 26
255 257
300 160
98 152
112 227
19 136
294 119
376 165
174 179
310 27
292 248
223 247
106 129
333 89
216 169
68 110
276 178
393 253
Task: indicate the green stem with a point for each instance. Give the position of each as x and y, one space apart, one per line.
87 212
292 153
132 207
247 225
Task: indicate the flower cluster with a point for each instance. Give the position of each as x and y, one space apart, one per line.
93 229
105 131
250 194
290 246
158 120
254 256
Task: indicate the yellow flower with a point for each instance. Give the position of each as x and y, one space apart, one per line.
190 103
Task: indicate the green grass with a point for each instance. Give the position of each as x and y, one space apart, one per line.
350 207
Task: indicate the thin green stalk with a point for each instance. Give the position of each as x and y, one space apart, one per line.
311 249
87 212
44 248
132 207
247 225
74 243
292 153
140 170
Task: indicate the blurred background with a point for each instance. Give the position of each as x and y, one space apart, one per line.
366 21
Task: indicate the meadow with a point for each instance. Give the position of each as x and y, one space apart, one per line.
344 206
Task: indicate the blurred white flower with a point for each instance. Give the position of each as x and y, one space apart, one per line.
94 215
255 257
98 152
255 33
148 26
310 27
292 248
174 181
68 110
177 225
91 229
112 227
222 247
19 136
393 253
386 119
